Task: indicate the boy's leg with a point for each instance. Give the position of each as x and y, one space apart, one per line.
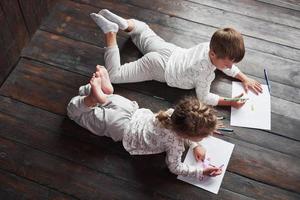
142 36
122 23
143 69
105 25
149 67
146 39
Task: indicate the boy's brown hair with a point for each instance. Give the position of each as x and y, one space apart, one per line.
190 118
228 43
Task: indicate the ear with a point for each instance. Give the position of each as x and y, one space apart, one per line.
212 54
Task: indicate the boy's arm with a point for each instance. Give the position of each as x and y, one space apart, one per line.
249 83
233 71
203 94
235 104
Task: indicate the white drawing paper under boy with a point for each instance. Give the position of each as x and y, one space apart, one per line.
218 153
256 113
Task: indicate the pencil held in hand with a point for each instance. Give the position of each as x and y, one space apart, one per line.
212 171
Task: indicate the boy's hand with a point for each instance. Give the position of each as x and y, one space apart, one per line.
199 153
252 84
238 104
212 171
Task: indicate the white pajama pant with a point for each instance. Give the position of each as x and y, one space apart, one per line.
110 119
150 67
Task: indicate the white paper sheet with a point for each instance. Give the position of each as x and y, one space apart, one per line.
256 113
218 152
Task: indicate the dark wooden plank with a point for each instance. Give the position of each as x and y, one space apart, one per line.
256 9
50 134
252 64
290 4
271 164
81 58
10 42
267 190
33 11
15 22
65 176
268 31
40 84
16 187
248 156
194 25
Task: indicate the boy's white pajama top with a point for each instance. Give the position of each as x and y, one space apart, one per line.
192 68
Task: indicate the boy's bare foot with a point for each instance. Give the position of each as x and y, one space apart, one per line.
106 85
96 91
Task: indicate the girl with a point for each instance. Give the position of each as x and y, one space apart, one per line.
140 130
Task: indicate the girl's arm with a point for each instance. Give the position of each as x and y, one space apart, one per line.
198 150
173 160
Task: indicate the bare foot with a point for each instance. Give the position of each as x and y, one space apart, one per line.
96 91
106 85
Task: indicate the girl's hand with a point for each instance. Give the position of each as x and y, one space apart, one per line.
219 125
199 153
238 104
212 171
253 85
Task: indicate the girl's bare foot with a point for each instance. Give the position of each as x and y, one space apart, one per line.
96 90
106 85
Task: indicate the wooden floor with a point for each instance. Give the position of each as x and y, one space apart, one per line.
44 155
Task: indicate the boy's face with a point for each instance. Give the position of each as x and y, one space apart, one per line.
220 63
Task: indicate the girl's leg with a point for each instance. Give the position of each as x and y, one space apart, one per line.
106 85
96 119
83 109
96 95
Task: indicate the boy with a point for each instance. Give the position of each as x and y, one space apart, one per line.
178 67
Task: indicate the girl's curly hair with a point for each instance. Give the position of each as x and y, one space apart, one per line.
190 118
